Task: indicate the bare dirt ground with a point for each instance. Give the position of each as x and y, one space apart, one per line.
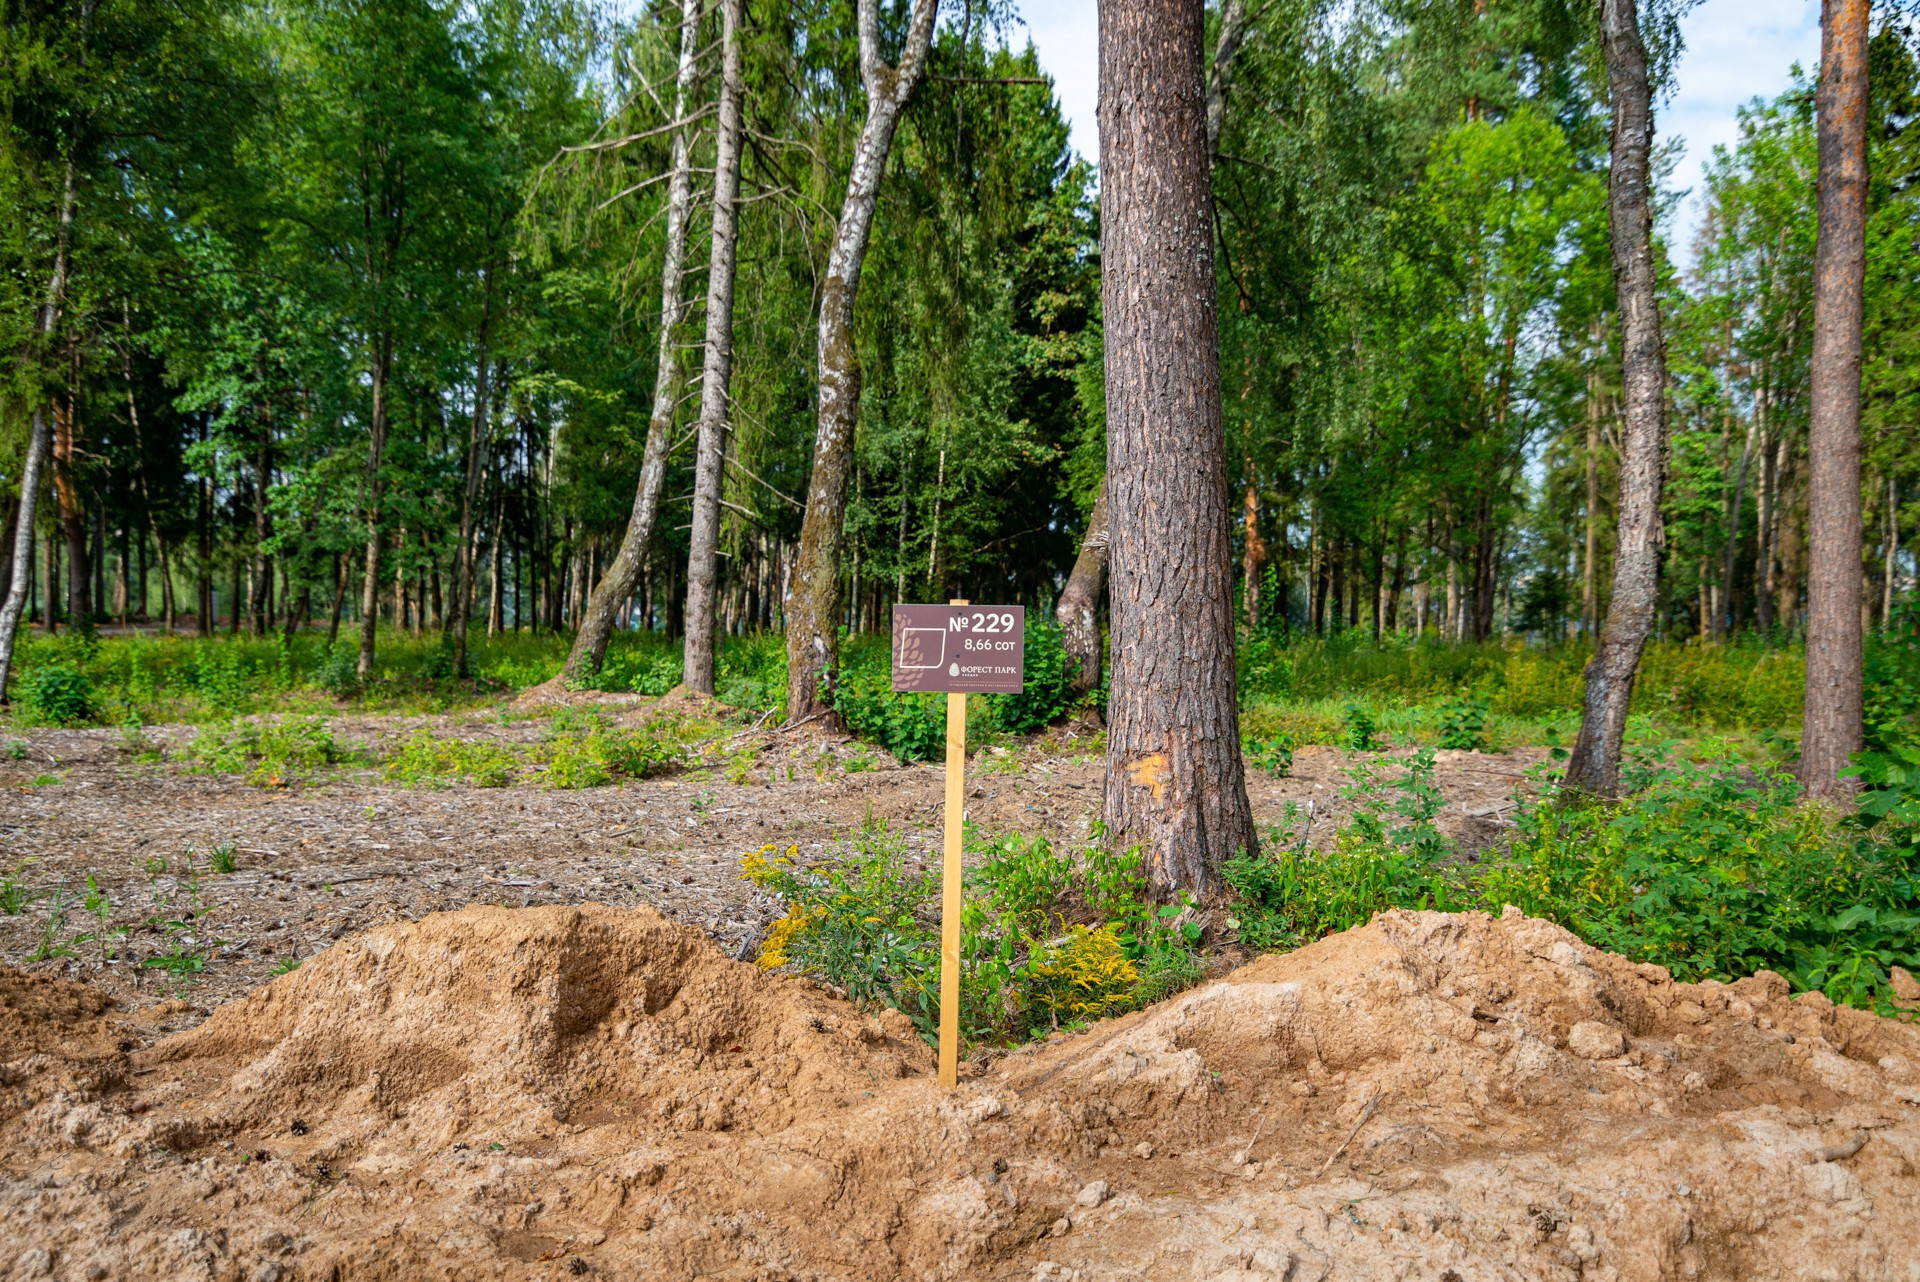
566 1092
318 861
571 1075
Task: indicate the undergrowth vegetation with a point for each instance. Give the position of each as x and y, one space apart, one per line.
1709 867
1050 938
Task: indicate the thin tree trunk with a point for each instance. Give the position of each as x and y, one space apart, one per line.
1594 766
376 492
1831 728
70 505
262 520
39 440
1175 782
339 599
1590 556
1078 611
1725 623
589 648
717 373
1255 557
477 436
813 634
1892 553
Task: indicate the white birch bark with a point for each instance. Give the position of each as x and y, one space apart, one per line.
813 612
717 372
623 572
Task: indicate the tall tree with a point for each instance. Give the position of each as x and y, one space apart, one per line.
716 375
616 586
1594 766
1175 781
1832 723
813 613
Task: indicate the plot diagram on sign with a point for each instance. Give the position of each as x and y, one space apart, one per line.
923 647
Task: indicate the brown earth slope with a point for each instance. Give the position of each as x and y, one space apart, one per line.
558 1092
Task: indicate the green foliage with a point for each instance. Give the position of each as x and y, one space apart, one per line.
58 694
14 895
1361 733
427 760
270 751
1273 754
913 727
1047 694
1710 869
1463 723
588 752
1047 939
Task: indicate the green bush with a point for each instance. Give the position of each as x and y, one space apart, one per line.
58 694
1047 692
1711 869
1047 940
913 727
427 760
270 752
1463 724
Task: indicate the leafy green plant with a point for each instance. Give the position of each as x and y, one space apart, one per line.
1273 754
100 907
51 929
1360 729
222 860
1047 939
269 752
57 694
1046 693
913 727
17 749
1463 723
427 760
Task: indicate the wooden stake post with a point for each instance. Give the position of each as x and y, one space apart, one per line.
956 649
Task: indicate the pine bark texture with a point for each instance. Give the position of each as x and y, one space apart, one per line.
1175 782
376 497
716 376
813 612
1594 766
1832 724
1078 611
623 572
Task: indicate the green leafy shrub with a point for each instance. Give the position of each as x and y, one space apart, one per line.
1463 724
427 760
1711 869
599 754
913 727
1046 694
271 752
1273 754
58 694
1361 731
1047 939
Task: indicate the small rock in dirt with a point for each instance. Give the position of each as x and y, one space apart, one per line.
33 1263
1830 1182
266 1271
1143 1150
95 1272
1591 1039
1061 1227
1094 1194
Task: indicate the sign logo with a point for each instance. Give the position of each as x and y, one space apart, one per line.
959 649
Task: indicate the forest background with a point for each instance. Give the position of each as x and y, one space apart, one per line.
275 222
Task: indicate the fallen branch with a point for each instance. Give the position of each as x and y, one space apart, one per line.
1365 1113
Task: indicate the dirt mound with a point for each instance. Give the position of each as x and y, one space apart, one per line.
554 693
559 1092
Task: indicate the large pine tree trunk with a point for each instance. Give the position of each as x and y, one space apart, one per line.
1594 766
623 572
716 377
1832 728
1078 611
813 611
70 505
1174 775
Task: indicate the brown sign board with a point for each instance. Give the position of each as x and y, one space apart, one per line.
959 649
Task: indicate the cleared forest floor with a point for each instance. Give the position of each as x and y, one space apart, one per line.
314 862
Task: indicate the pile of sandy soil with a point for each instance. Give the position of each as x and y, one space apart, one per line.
582 1091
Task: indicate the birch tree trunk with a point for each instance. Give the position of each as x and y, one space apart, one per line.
1832 723
1078 611
813 612
376 495
623 572
716 375
39 441
1594 766
1175 783
477 439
